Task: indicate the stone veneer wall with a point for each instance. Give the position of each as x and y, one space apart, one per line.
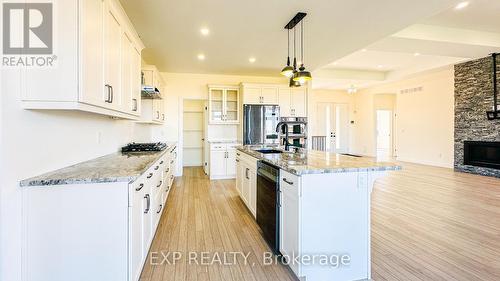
473 97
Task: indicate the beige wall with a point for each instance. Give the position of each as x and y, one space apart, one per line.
331 96
424 121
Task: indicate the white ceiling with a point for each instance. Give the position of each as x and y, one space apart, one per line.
242 29
482 15
444 39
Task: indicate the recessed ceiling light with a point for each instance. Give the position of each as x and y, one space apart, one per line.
204 31
201 56
335 63
461 5
380 66
416 54
364 50
252 60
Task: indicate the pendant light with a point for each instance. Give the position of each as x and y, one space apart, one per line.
302 75
288 70
294 83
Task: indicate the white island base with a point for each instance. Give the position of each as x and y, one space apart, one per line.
327 216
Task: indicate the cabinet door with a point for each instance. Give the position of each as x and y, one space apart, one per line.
252 191
93 91
147 77
136 81
270 95
299 102
112 55
136 239
239 175
157 110
245 187
217 163
289 227
284 102
252 95
147 220
231 162
126 73
216 105
231 103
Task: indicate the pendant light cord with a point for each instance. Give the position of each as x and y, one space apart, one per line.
302 41
294 50
288 46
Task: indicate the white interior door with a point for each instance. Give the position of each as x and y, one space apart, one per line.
384 133
333 123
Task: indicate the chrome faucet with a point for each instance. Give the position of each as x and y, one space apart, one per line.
286 123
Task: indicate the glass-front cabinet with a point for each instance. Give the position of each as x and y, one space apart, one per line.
223 105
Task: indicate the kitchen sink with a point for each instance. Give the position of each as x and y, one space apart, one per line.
269 151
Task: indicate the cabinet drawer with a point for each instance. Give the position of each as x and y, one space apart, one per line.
289 183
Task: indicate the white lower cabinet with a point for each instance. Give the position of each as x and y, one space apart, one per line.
105 228
290 218
246 180
222 161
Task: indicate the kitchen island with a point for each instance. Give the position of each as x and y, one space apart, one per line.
324 201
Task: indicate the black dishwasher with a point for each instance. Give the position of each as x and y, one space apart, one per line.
268 205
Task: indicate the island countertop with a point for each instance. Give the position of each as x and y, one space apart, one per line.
115 167
319 162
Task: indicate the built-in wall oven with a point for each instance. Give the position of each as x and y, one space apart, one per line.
268 205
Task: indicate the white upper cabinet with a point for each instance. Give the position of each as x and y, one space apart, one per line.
293 102
223 104
92 73
152 106
259 93
112 56
98 62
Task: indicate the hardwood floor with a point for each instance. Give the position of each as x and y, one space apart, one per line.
428 223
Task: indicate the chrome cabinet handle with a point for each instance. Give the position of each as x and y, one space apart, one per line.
237 160
140 187
161 182
287 181
150 175
163 117
135 105
238 154
112 94
161 162
108 98
172 162
157 114
168 169
148 204
246 173
172 177
161 206
156 168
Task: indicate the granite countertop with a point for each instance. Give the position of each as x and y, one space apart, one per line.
115 167
319 162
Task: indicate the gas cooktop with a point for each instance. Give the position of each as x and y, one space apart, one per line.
140 147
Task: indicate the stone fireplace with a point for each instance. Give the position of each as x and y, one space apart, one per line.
477 139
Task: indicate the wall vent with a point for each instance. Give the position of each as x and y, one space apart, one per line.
411 90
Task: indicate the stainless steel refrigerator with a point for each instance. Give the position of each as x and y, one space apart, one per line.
259 124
